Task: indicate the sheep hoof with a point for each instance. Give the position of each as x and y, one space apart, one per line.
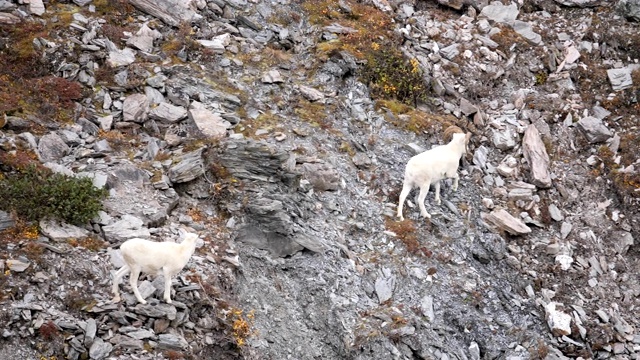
143 302
168 301
116 300
426 216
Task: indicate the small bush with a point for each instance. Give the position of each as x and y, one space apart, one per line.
36 194
391 76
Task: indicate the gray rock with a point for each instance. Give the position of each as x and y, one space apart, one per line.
61 231
141 334
310 93
450 52
171 341
426 306
594 129
555 213
500 13
106 122
52 147
36 7
210 124
565 229
166 112
272 77
99 349
123 341
505 139
102 147
526 31
188 167
620 79
124 57
6 221
161 310
504 221
8 19
322 176
172 12
135 108
277 244
630 9
18 265
90 330
384 285
623 240
128 227
143 38
581 3
535 152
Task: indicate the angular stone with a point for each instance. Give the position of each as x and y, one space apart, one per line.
558 321
535 152
210 124
426 306
166 112
630 9
61 231
623 240
504 221
143 38
99 349
171 341
526 31
555 213
36 7
172 12
272 77
135 108
581 3
128 227
6 221
90 330
162 310
505 139
500 13
620 79
384 287
310 93
52 147
322 176
594 129
124 57
141 334
18 265
277 244
8 19
188 167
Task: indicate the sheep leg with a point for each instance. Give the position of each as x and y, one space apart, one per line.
116 283
406 189
424 189
133 281
455 177
167 285
437 186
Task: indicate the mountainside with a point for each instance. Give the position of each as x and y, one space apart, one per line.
279 132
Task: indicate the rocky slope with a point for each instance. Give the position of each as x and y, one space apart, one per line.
249 122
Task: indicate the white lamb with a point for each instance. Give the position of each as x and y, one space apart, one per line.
152 257
431 166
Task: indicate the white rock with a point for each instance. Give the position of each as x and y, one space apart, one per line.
558 321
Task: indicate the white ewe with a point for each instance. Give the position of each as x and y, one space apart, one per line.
152 257
431 166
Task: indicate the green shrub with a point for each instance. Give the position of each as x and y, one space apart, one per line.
391 76
35 194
